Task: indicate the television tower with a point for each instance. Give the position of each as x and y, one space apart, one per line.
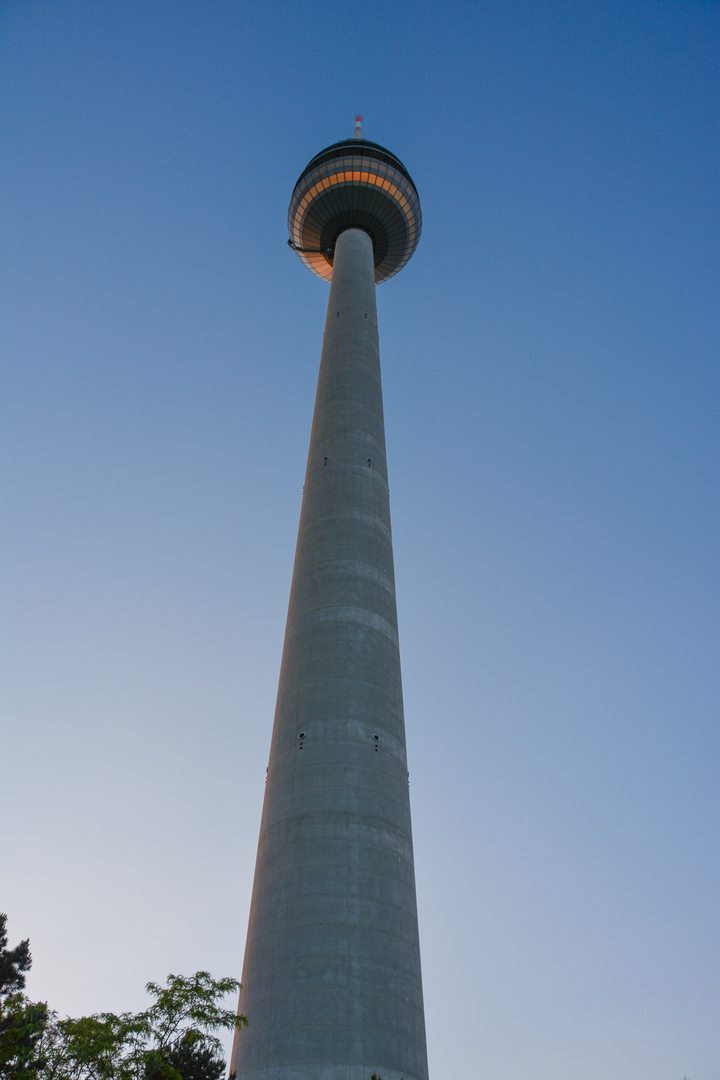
331 977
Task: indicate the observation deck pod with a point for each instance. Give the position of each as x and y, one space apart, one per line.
355 184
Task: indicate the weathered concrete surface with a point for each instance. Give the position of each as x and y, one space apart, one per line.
331 977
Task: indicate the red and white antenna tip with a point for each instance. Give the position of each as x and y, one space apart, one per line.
358 129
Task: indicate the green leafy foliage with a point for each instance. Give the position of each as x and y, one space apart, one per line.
13 962
22 1022
173 1039
190 1007
100 1047
188 1060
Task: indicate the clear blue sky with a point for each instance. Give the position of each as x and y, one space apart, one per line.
551 398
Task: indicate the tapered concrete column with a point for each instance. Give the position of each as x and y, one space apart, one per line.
332 984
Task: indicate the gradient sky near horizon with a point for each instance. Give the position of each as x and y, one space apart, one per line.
551 402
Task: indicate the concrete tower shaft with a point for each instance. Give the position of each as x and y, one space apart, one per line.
332 983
